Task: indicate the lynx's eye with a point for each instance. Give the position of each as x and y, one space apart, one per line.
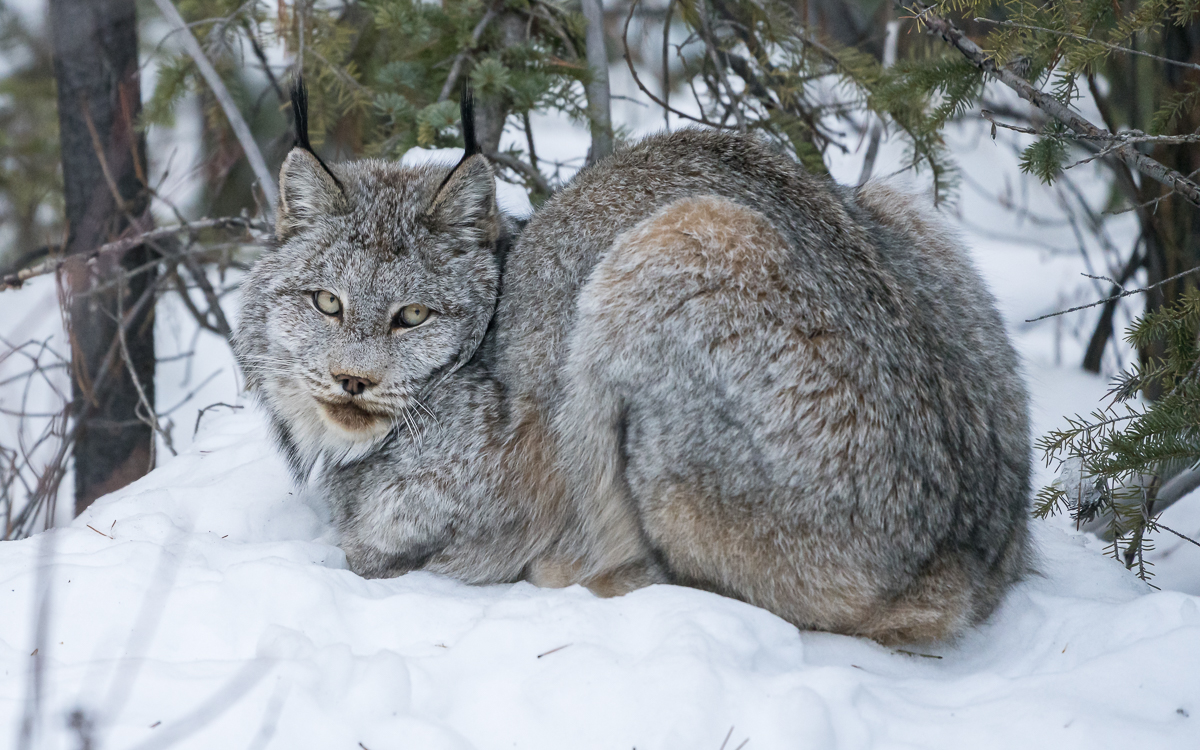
410 316
327 303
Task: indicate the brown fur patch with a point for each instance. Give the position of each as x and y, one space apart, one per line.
350 416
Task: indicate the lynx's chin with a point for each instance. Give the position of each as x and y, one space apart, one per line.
359 423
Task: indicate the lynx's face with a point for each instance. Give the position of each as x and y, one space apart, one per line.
383 282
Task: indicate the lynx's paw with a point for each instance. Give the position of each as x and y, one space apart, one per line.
628 577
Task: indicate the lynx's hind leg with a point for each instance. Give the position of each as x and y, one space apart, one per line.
610 353
721 419
634 331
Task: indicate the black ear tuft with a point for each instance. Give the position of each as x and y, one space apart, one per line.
300 124
466 107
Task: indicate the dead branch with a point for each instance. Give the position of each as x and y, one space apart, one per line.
150 417
633 72
52 265
1124 136
1126 293
890 43
1147 166
516 165
228 106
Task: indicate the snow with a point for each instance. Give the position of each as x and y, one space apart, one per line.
207 604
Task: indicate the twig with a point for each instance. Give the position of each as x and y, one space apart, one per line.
633 72
204 411
192 393
727 736
221 326
1115 296
1089 40
262 60
710 45
151 418
1156 525
1149 167
232 114
533 159
98 147
517 165
889 58
553 650
1126 136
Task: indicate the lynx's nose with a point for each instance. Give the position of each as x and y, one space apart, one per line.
353 384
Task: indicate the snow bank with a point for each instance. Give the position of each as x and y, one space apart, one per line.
205 607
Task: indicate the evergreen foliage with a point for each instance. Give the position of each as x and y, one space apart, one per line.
379 69
1118 457
31 202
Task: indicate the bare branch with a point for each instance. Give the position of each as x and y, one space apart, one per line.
889 59
633 72
151 417
51 265
1115 296
521 167
1124 136
666 62
240 129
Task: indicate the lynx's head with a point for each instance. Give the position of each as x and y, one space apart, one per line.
382 282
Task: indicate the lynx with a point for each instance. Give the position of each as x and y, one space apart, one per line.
697 364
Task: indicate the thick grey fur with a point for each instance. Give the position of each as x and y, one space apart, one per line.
700 364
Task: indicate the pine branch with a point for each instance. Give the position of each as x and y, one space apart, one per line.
1147 166
1089 40
461 57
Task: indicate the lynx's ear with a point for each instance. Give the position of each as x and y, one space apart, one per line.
307 190
466 199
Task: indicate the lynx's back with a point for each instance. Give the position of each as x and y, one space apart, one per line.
762 384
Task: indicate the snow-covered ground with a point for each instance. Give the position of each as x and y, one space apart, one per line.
207 606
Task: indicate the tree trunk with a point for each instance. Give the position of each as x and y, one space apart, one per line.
1175 242
104 162
598 97
491 112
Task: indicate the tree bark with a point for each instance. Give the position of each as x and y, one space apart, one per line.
598 98
104 166
491 112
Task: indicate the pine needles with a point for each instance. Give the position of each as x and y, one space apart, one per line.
1114 461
